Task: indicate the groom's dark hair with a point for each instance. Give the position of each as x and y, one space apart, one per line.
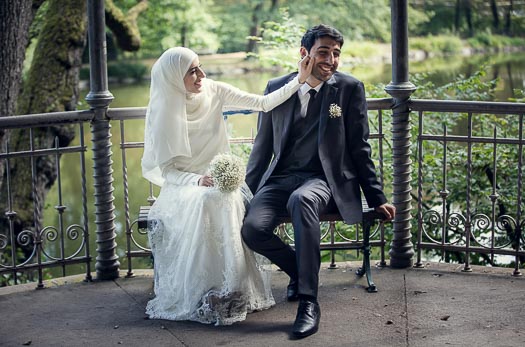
319 31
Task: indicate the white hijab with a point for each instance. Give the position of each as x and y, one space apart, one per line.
171 112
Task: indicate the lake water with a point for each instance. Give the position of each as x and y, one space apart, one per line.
509 68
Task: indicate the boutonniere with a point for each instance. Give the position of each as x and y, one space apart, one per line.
335 111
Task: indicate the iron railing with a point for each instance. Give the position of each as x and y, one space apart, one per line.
489 141
37 247
437 226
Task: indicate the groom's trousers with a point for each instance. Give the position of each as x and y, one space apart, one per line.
303 199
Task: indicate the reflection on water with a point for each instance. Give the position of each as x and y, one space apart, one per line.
510 69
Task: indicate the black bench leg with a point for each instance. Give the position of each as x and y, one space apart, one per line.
365 269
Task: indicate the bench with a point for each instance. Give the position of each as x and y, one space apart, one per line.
370 217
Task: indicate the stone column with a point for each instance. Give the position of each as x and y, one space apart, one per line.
99 98
401 250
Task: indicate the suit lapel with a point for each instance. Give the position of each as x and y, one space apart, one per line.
284 119
329 97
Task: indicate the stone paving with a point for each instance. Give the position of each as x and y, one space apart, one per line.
435 306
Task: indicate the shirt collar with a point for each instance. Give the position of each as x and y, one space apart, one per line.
305 88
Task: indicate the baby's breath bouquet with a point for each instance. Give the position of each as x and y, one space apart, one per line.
228 172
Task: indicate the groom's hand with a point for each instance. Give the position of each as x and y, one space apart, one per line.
389 211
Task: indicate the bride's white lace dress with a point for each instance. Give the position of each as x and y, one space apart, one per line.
203 270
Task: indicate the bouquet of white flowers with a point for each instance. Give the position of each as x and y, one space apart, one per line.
228 172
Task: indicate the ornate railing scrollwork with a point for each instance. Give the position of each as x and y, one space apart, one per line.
484 232
51 234
140 231
433 220
4 241
26 239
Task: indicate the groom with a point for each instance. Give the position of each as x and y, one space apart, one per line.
310 156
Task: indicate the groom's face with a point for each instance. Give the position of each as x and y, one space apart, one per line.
325 53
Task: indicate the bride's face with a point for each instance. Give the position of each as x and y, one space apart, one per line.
193 78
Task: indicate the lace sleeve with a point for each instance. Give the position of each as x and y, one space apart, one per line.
236 98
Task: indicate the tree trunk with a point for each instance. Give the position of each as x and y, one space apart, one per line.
511 81
183 35
51 86
15 19
457 16
254 29
468 16
495 17
508 15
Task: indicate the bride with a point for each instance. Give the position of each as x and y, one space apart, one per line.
203 271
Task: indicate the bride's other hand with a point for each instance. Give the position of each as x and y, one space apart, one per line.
206 181
305 68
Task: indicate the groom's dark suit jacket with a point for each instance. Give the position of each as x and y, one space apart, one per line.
342 143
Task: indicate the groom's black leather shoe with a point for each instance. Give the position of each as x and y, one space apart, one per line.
292 291
307 320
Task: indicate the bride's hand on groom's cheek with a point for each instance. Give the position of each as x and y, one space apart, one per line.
305 68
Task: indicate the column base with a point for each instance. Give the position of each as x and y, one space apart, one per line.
110 272
401 261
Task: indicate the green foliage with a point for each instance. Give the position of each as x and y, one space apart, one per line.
281 42
519 95
168 23
38 21
242 150
121 71
356 19
518 24
362 49
452 17
440 20
233 28
475 88
8 278
237 19
223 26
366 19
487 41
437 45
84 74
417 19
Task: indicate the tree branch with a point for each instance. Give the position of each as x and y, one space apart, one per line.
124 26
